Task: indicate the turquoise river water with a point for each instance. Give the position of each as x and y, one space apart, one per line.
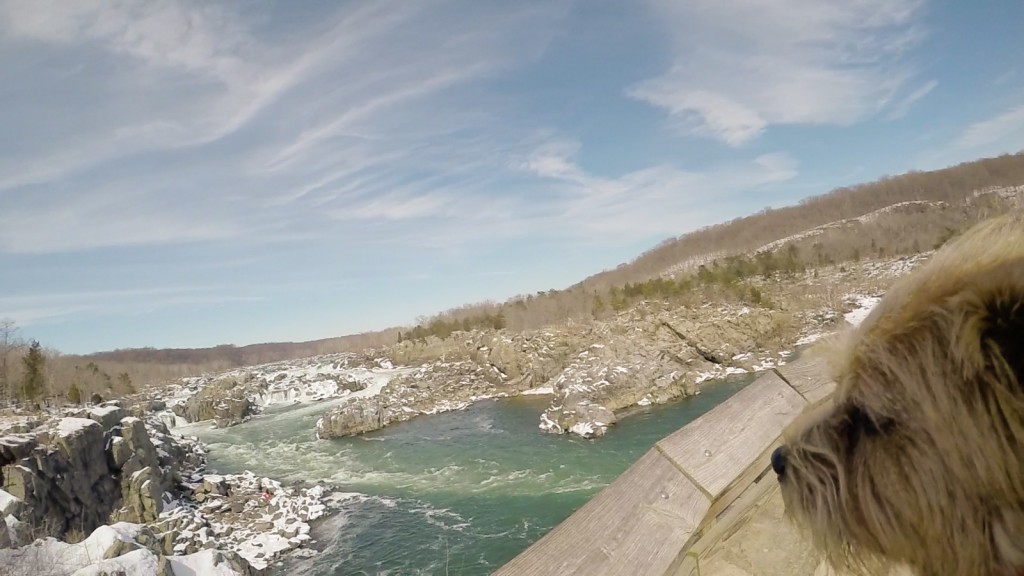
453 494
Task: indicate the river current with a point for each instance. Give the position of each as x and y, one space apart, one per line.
459 493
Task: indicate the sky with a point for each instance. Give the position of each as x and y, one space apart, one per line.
186 174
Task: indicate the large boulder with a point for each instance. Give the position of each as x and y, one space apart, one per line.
107 416
138 442
225 401
143 496
232 410
355 416
14 447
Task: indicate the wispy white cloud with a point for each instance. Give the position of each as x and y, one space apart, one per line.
178 121
396 207
115 215
1006 77
904 105
656 201
34 316
143 75
1002 133
1007 129
58 306
741 66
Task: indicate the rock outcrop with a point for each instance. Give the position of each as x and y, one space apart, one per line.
67 477
108 416
73 474
649 355
227 402
651 358
430 389
64 480
355 416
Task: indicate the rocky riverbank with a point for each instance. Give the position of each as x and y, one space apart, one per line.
68 473
649 354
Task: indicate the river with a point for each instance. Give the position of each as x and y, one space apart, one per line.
454 494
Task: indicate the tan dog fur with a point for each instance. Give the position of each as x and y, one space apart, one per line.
919 457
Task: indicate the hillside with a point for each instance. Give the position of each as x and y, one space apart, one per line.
894 216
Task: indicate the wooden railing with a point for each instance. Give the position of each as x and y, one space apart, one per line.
688 492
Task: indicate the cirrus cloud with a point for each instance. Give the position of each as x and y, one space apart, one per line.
741 66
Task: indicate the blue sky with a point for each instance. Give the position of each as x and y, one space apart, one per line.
186 174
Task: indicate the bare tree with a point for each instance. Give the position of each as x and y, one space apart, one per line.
9 344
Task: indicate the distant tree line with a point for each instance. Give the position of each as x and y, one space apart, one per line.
443 326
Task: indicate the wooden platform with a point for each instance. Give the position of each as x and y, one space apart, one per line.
686 492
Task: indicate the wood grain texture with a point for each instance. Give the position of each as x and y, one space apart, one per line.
716 448
637 525
809 375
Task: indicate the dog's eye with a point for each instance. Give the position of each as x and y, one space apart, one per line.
1006 330
857 424
862 423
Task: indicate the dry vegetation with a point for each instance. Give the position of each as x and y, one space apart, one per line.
893 216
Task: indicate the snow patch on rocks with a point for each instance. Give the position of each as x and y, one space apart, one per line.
256 517
70 426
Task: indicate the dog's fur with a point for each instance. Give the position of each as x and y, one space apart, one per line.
919 457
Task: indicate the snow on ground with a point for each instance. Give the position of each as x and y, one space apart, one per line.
53 557
377 379
810 338
9 504
103 411
865 304
201 563
137 563
538 391
68 426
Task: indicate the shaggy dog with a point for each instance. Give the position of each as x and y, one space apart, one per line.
919 457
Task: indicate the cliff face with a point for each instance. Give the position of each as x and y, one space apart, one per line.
64 479
74 473
69 473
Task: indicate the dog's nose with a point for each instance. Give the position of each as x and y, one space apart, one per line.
779 461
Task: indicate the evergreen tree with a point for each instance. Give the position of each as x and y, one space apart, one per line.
75 394
33 381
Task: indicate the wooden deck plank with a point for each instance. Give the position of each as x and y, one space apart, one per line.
637 525
809 375
731 521
716 448
758 467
